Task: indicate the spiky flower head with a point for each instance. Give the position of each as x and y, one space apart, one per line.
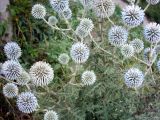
50 115
41 73
87 4
84 28
153 2
59 5
134 78
12 50
52 20
27 102
138 45
79 52
127 51
63 58
117 35
104 8
24 78
66 13
11 69
38 11
133 15
10 90
152 32
88 77
149 55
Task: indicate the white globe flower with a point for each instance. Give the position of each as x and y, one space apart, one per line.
133 15
79 52
117 36
138 45
127 51
51 115
104 8
153 2
27 102
41 73
11 69
38 11
88 78
63 58
134 78
12 50
10 90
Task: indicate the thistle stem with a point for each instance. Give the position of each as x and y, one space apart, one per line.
146 7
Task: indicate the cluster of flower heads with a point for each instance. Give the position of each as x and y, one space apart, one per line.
153 2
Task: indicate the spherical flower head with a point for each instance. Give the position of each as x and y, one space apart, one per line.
152 32
158 65
51 115
104 8
63 58
79 52
153 2
134 78
59 5
38 11
41 73
12 50
23 79
11 69
87 4
117 36
88 78
52 20
10 90
149 55
127 51
66 13
138 45
27 102
133 15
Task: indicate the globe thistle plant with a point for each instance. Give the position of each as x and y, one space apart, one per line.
11 69
23 79
133 15
38 11
50 115
117 36
104 8
127 51
149 55
63 59
152 32
153 2
88 78
41 73
59 5
79 52
138 45
12 50
87 4
134 78
27 102
52 20
10 90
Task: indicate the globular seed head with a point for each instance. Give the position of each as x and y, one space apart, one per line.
79 52
11 69
117 36
52 20
152 32
63 58
12 50
10 90
38 11
153 2
103 8
27 102
59 5
132 15
88 77
138 45
133 78
127 51
41 73
51 115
